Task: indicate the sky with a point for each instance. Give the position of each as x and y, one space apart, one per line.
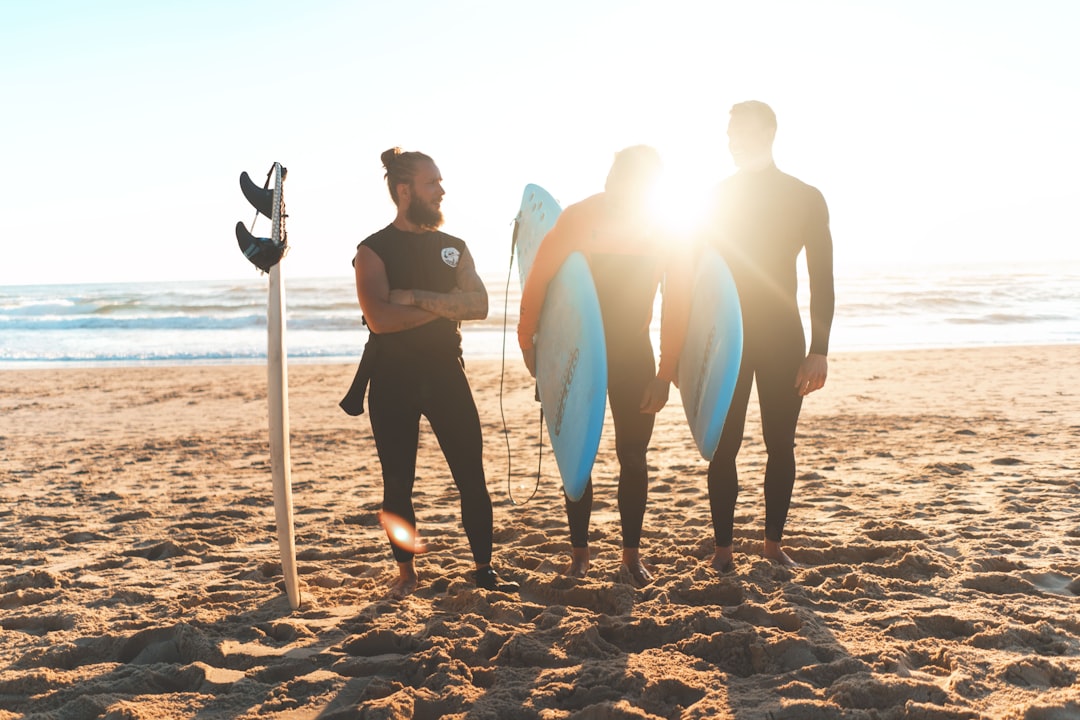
939 131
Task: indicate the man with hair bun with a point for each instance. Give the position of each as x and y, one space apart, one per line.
763 220
629 255
416 284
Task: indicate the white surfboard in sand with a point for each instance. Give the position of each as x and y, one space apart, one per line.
277 375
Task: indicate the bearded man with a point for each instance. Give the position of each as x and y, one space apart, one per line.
416 284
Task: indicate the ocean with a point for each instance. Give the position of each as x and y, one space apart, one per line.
225 321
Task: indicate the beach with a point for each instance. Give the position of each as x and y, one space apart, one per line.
936 520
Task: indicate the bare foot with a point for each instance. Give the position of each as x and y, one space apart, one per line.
631 562
579 563
723 560
406 581
774 552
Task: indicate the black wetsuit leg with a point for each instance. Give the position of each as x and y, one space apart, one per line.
578 514
780 406
630 370
456 424
395 424
396 401
629 374
723 472
774 366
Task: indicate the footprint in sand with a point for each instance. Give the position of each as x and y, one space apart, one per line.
635 634
1039 672
38 624
79 537
1006 461
860 693
24 598
88 651
158 551
942 627
32 579
1038 637
1054 582
180 644
763 617
895 532
129 517
740 652
709 592
380 642
950 468
936 662
609 599
1000 584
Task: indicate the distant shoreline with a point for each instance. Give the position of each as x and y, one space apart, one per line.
512 358
199 323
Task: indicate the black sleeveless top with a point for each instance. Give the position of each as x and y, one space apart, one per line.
419 261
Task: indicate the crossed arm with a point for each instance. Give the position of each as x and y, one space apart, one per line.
388 311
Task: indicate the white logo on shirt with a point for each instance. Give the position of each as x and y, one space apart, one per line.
450 256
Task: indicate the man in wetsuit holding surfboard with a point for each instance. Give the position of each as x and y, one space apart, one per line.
415 285
763 220
628 257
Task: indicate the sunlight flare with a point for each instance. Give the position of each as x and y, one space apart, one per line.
401 532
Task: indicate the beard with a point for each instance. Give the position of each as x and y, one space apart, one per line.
424 214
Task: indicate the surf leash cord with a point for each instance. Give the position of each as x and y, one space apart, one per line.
502 381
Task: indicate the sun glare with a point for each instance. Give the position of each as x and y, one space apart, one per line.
401 532
679 205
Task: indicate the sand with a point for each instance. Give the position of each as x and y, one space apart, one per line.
936 516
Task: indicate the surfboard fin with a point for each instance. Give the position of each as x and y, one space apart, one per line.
262 252
262 199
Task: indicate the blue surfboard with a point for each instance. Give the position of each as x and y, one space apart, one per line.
712 353
571 360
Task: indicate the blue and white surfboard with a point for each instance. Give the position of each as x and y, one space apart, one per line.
712 353
571 359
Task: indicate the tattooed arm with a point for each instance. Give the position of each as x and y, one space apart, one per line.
382 313
468 301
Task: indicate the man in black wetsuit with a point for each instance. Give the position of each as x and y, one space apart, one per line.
629 256
764 219
415 285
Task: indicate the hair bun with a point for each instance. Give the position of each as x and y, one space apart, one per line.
389 156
